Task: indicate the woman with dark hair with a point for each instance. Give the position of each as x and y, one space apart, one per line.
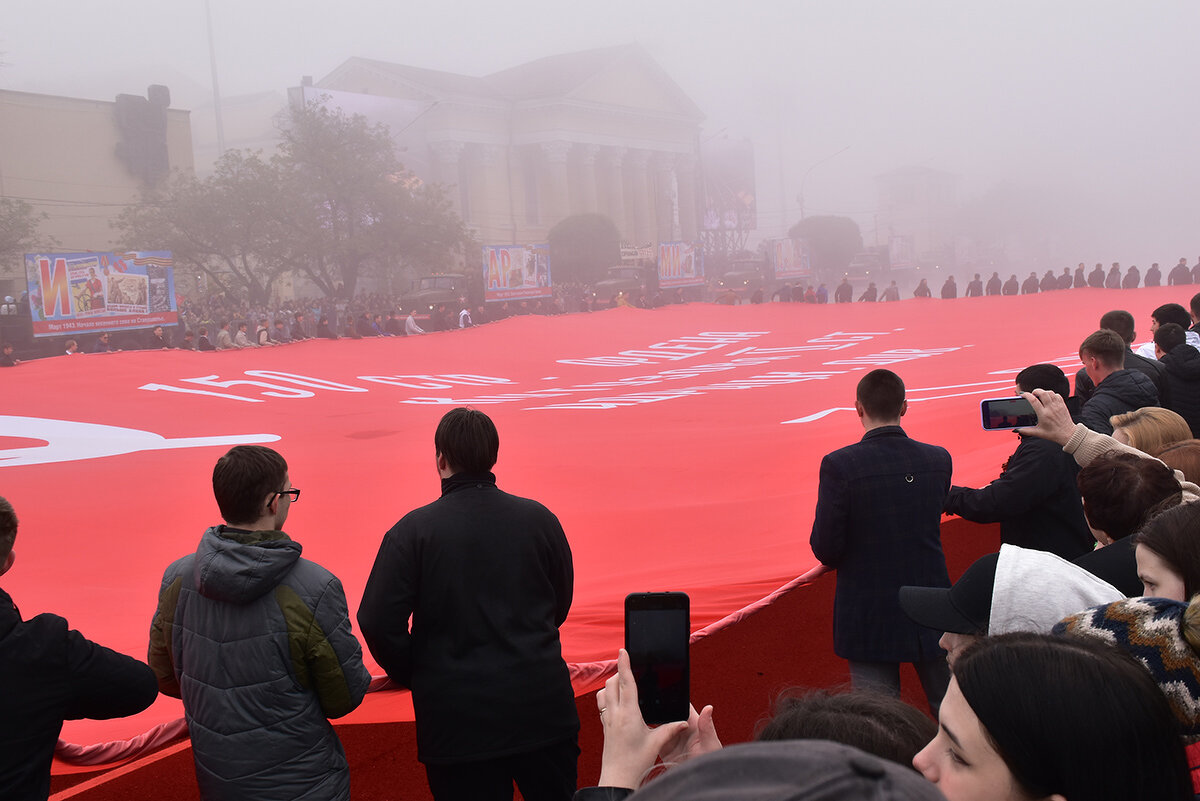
1120 492
1167 550
1023 719
876 723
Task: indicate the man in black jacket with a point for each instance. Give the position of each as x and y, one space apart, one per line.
50 674
1182 364
1118 390
994 284
1121 321
1035 499
487 578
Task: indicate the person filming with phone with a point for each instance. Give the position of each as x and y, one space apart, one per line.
1035 499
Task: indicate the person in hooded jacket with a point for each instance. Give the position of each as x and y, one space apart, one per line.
1118 390
257 642
1182 363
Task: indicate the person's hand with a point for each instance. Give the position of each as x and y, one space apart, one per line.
1054 420
630 746
701 737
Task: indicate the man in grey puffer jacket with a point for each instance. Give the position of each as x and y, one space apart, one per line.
257 642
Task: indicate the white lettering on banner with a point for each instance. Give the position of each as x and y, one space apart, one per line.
684 347
70 441
434 381
754 382
894 356
305 381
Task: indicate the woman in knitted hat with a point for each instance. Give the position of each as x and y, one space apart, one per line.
1031 716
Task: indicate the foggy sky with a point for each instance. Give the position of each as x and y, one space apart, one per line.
1083 114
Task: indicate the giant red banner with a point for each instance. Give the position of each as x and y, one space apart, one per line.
679 446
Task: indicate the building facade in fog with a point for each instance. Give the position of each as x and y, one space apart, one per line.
81 162
597 131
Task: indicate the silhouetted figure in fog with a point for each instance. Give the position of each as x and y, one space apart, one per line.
1064 280
1153 276
922 290
949 289
1180 274
1132 278
1080 277
1049 282
822 294
993 284
1011 287
975 288
1114 277
891 293
844 292
1030 285
1195 274
1096 277
784 294
870 295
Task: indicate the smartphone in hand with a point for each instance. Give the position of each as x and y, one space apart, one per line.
1004 413
657 630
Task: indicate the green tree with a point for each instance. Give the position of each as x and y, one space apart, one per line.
333 205
355 209
230 226
19 233
832 242
583 247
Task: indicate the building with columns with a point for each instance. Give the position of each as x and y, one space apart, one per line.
602 131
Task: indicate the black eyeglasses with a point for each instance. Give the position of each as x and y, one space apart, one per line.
293 492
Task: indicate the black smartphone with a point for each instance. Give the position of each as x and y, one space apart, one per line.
657 630
1002 413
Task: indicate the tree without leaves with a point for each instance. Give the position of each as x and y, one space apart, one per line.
832 241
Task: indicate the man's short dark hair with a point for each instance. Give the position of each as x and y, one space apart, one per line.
8 529
1169 336
1172 313
1195 304
242 480
1120 321
1044 376
1121 491
881 393
468 440
1107 346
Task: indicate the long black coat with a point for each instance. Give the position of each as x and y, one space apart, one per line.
878 522
1182 365
1122 391
487 578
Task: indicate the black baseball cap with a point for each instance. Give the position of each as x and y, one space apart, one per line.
964 608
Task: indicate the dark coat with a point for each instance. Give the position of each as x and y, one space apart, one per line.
1035 500
1152 368
50 673
1132 278
1011 287
1123 391
487 578
1182 366
1179 275
949 290
1153 276
1030 286
1114 279
1096 278
975 288
878 518
1115 564
1080 278
993 285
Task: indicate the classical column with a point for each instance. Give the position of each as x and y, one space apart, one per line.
642 219
556 206
488 195
665 195
614 189
583 198
685 180
446 154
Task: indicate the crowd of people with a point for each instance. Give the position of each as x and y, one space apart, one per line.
1065 666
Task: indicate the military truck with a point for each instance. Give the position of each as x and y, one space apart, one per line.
638 282
429 291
